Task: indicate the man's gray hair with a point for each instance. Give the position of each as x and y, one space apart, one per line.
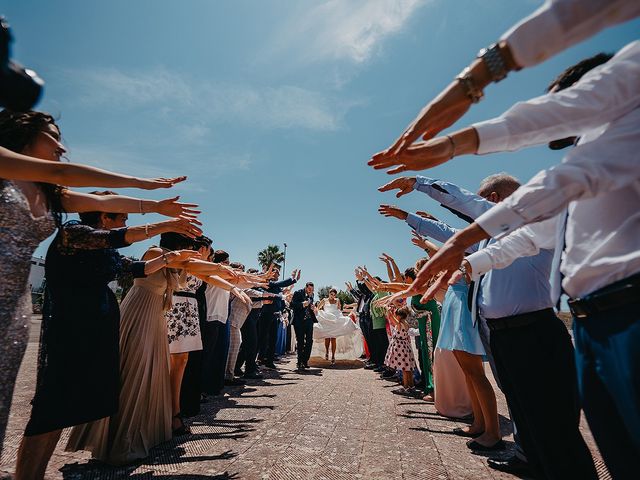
502 183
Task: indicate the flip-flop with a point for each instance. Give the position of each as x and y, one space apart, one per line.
478 447
461 433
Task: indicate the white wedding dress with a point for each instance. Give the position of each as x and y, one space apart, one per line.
333 324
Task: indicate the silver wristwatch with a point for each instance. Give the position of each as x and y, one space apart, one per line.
494 62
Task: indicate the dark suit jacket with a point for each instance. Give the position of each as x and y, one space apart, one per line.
300 312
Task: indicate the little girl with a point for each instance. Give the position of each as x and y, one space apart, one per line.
399 354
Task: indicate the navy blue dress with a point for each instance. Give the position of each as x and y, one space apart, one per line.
78 362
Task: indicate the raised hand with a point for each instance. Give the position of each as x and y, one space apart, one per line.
178 257
404 184
154 183
439 114
186 226
172 208
420 156
426 215
392 211
418 240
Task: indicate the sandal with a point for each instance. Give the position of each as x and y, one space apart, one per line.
461 433
182 429
478 447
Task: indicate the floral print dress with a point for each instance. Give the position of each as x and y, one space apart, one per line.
183 323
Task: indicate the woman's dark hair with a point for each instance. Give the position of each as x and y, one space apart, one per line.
410 273
93 218
333 290
402 312
237 265
18 130
252 270
220 256
176 241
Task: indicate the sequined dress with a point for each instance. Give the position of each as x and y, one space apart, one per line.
20 234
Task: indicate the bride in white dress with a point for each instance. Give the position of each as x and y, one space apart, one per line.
337 330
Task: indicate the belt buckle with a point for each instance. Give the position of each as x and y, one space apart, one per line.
578 308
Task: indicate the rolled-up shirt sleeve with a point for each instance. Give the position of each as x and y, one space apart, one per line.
523 242
453 197
602 95
559 24
607 163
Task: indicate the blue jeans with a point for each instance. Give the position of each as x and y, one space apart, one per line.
608 365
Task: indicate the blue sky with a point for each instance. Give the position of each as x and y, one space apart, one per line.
272 108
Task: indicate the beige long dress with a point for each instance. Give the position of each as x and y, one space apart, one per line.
144 416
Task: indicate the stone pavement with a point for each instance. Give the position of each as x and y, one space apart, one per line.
330 423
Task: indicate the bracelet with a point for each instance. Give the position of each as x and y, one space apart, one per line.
470 89
492 58
453 147
141 211
146 230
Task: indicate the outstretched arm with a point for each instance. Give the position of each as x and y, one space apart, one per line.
15 166
86 202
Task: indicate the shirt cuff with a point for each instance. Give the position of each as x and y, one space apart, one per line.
493 135
480 263
499 221
413 220
422 180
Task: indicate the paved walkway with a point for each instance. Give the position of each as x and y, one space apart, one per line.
330 423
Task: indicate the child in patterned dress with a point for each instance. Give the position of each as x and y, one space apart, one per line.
400 355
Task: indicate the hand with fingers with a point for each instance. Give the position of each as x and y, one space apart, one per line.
420 156
392 211
172 208
186 226
427 215
154 183
439 114
405 185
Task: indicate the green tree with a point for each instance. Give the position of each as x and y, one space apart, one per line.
323 292
345 297
269 255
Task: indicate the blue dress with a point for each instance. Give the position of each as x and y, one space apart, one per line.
456 328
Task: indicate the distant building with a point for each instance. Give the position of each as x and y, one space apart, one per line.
36 275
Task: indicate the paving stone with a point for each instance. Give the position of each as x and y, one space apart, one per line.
342 424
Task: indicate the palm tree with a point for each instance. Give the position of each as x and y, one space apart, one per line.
269 255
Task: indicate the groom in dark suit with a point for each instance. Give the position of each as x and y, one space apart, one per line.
304 317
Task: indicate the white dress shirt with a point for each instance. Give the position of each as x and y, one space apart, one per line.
217 304
559 24
598 181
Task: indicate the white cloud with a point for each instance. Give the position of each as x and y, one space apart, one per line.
343 30
171 95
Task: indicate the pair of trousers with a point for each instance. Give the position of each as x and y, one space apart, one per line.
547 423
608 365
268 331
304 339
214 356
235 338
365 327
381 342
191 386
249 345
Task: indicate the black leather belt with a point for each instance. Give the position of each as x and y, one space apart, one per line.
618 294
185 294
517 321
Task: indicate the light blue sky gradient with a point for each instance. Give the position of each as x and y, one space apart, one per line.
272 108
